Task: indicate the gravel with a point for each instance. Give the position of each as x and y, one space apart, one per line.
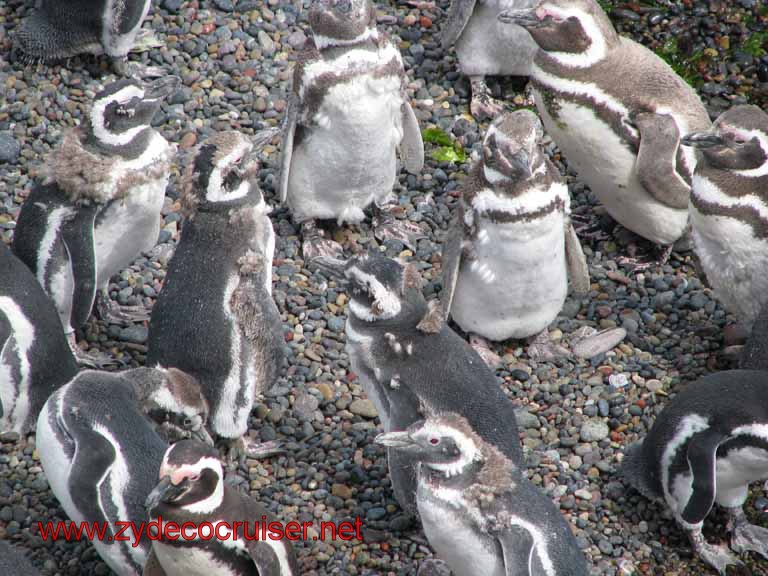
575 415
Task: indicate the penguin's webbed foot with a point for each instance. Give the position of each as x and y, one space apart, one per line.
245 447
719 557
544 349
747 537
93 360
113 313
314 243
127 69
387 227
433 567
588 343
484 350
663 254
483 105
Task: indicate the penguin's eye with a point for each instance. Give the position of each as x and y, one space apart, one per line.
187 422
434 441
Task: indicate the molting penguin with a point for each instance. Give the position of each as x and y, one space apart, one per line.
622 137
487 47
215 317
347 117
14 562
192 489
729 209
99 207
101 452
57 30
707 445
480 513
34 356
412 367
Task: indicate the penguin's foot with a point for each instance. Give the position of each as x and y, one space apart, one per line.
483 348
719 557
543 349
93 360
638 265
433 567
483 105
314 243
387 227
746 537
145 41
113 313
245 447
123 67
588 342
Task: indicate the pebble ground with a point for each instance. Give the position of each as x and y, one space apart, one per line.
235 59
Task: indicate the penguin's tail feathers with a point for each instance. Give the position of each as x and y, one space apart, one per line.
636 472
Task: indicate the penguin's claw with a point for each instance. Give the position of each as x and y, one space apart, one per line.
123 67
750 538
92 360
543 349
146 40
243 448
591 344
483 105
113 313
433 567
319 246
386 226
483 349
717 556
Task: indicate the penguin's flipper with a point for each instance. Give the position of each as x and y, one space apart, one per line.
578 272
411 146
437 316
701 453
286 146
152 566
272 557
89 468
656 164
519 551
458 16
77 234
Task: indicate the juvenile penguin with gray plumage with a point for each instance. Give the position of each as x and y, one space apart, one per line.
623 137
57 30
706 447
487 47
99 207
215 317
479 511
35 359
347 117
412 367
729 209
191 488
101 439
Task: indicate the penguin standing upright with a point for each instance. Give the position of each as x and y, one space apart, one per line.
623 137
487 47
347 117
34 356
192 489
410 368
706 447
729 209
215 317
480 512
100 450
99 207
57 30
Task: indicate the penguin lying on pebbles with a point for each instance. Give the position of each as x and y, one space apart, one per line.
100 450
192 489
347 117
215 317
487 47
623 137
480 513
35 359
14 562
707 445
411 369
57 30
729 209
99 207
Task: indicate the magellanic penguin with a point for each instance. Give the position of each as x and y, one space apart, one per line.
192 489
35 359
623 137
58 30
707 445
99 207
347 117
508 258
215 317
729 209
487 47
479 511
100 450
14 562
754 354
410 369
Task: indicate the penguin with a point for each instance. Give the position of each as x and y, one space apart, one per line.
729 209
480 512
100 449
99 205
58 30
754 354
221 271
706 447
513 247
623 137
35 359
486 47
14 562
347 115
192 489
411 367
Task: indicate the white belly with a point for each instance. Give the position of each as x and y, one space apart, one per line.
607 166
349 159
518 283
737 471
188 561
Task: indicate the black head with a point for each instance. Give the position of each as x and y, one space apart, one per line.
191 478
738 140
341 22
511 146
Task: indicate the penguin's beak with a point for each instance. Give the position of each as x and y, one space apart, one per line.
398 440
162 88
702 140
520 162
525 18
332 266
165 491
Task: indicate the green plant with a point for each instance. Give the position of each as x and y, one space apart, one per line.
684 66
448 150
756 44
